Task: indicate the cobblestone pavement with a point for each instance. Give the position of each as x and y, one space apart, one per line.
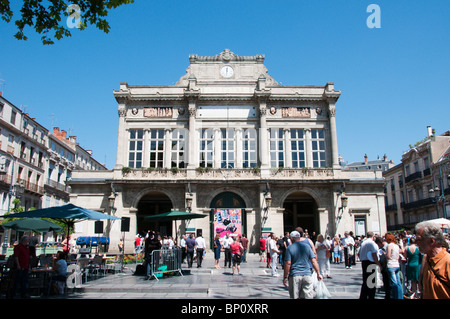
255 282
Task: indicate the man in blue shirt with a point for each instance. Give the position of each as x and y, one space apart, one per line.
297 269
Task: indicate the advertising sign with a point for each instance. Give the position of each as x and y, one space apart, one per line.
228 221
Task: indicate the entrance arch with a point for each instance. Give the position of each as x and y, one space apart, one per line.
153 203
227 215
300 209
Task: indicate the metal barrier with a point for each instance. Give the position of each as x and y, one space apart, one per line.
165 261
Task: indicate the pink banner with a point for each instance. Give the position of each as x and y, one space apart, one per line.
228 221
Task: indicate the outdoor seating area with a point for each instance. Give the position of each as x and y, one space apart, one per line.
81 269
81 266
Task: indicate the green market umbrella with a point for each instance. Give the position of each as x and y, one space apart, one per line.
173 215
68 214
33 224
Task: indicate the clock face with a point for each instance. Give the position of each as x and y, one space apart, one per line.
227 71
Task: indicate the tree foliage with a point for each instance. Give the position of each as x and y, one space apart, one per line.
53 19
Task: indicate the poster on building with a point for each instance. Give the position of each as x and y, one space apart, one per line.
228 221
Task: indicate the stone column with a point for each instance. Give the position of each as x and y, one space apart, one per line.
308 148
146 149
238 149
332 96
167 148
217 148
333 133
287 148
263 136
122 137
191 152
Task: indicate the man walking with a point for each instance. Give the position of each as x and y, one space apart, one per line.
274 252
297 269
348 243
226 244
368 254
190 246
200 246
244 242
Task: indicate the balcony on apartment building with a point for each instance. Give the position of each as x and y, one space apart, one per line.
418 203
413 177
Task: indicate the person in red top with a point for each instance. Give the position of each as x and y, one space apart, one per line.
244 242
236 249
22 265
262 249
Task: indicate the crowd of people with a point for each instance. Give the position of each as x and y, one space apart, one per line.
405 265
194 249
408 266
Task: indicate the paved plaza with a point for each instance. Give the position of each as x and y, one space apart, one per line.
255 282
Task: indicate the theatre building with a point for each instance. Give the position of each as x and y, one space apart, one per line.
229 142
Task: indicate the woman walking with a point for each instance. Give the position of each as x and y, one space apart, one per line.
323 258
337 250
236 249
412 255
393 266
217 248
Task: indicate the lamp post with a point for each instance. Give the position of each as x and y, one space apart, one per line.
438 194
268 203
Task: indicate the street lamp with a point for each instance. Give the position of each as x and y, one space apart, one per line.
437 196
344 201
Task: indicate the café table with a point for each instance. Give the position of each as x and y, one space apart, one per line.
40 278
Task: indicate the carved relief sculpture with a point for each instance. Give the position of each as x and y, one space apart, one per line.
296 112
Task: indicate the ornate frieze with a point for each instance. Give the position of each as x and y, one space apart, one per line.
303 112
158 112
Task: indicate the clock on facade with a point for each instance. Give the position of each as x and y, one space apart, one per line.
227 71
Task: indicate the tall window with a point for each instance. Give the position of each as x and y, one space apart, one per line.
318 148
206 147
135 148
276 147
249 148
228 148
178 148
298 148
156 148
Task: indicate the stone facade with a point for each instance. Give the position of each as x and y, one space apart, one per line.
418 188
227 135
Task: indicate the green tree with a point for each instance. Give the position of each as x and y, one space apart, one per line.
44 16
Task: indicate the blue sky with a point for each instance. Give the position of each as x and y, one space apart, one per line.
393 79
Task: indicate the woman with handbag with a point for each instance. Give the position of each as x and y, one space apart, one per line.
323 256
236 249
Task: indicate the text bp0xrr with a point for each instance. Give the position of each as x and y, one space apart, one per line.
246 308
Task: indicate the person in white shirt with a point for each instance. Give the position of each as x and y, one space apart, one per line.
226 245
200 246
274 254
368 254
348 242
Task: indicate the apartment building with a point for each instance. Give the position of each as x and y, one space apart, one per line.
35 163
418 188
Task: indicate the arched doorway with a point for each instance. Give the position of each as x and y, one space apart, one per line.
151 204
300 209
227 215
